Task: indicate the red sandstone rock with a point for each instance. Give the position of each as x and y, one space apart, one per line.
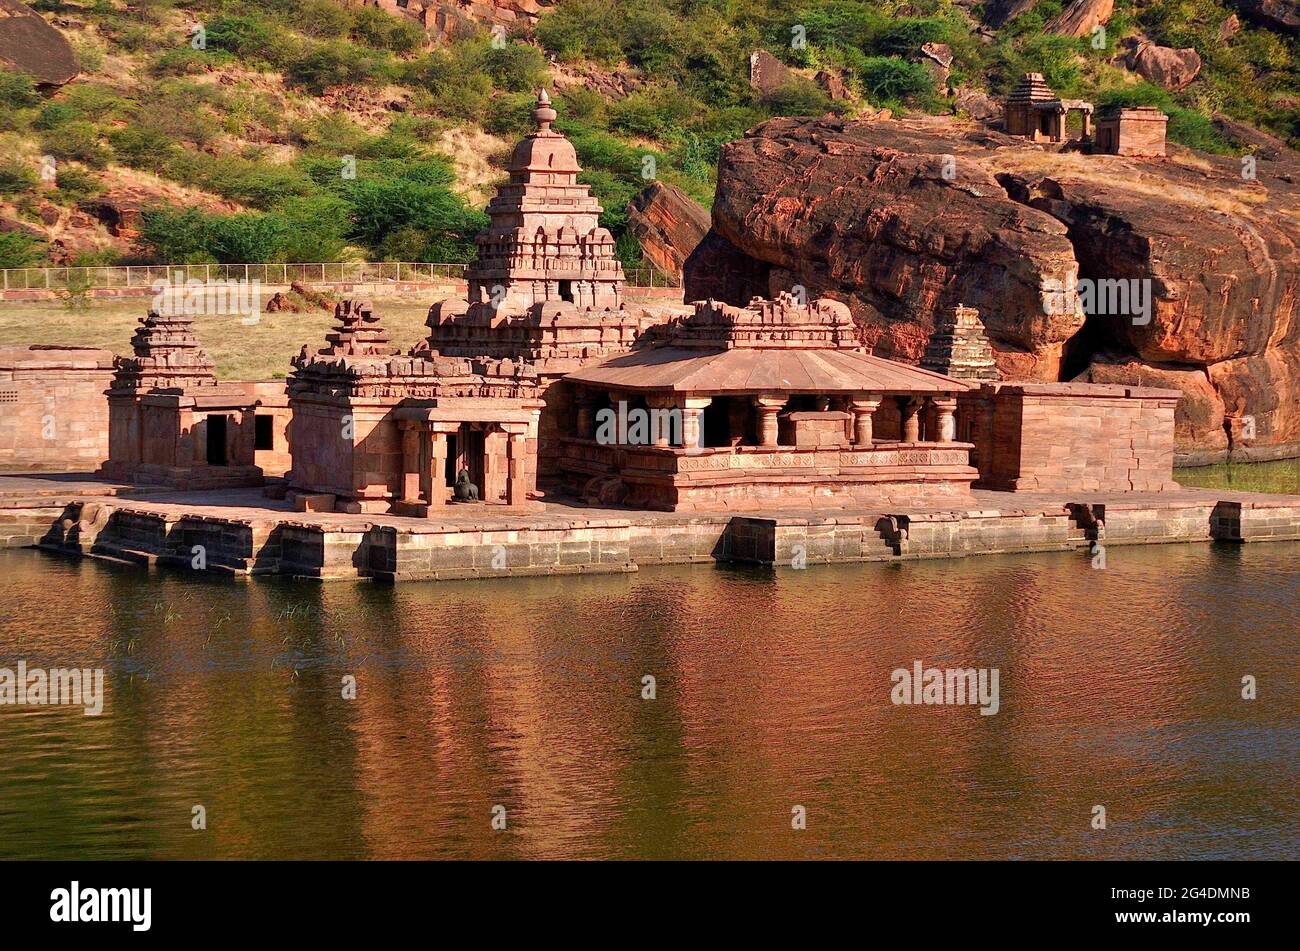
978 105
1282 15
668 224
832 84
30 45
861 212
1081 17
766 73
1170 68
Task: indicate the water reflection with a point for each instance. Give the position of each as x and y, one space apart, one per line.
1119 687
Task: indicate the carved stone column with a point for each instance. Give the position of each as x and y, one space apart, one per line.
586 404
437 490
662 426
863 410
909 412
768 425
412 475
693 421
946 410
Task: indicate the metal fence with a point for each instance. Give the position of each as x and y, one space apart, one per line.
350 272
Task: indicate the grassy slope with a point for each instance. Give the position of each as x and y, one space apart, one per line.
250 119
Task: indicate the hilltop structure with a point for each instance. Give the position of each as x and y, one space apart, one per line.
1034 111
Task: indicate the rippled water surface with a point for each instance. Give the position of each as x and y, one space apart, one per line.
1119 687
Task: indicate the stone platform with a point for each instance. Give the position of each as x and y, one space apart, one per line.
241 532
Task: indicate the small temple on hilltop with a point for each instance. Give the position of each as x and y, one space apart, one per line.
1034 111
776 404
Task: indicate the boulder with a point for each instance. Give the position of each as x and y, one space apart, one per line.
1081 17
1000 12
832 84
1280 15
937 58
1173 69
1229 28
668 224
903 219
978 105
767 74
30 45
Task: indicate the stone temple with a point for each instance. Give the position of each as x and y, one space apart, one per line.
535 387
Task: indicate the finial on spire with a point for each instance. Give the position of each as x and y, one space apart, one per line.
544 115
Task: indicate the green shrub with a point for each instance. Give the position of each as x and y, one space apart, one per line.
331 64
515 67
889 79
799 96
17 91
74 183
19 249
79 141
379 30
16 179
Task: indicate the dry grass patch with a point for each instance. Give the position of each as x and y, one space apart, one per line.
241 351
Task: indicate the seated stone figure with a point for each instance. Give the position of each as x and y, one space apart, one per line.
465 491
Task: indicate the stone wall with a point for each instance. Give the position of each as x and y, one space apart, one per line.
53 414
1070 436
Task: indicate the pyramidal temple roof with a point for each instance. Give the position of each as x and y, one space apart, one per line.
778 345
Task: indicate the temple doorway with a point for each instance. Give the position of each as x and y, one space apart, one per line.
216 440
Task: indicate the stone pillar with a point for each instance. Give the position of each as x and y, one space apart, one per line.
1086 115
519 481
909 413
693 421
586 404
661 425
494 466
945 411
767 408
438 492
862 410
412 475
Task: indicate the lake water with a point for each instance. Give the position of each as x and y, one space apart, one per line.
1118 687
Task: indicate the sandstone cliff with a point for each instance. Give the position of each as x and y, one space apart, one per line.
901 219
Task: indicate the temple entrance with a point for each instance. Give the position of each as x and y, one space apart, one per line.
566 291
216 448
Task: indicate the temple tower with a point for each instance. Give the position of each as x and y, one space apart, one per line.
959 348
166 354
545 242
